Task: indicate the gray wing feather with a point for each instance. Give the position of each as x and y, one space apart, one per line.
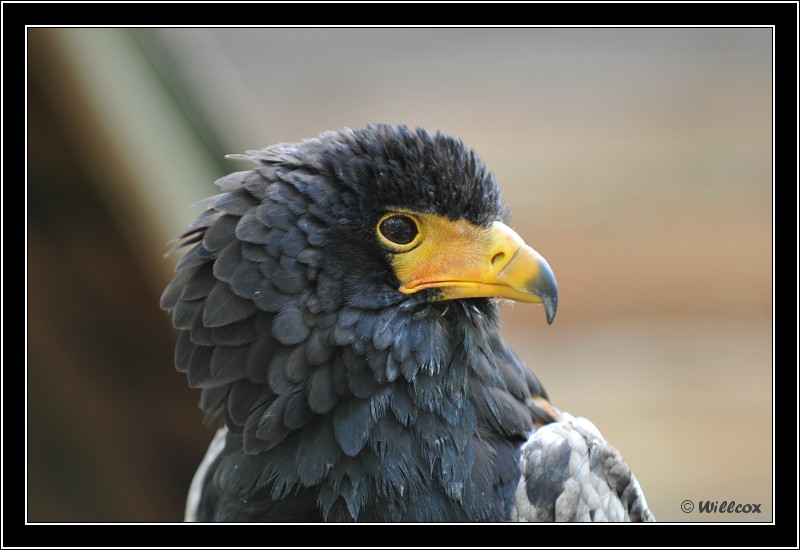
200 477
570 473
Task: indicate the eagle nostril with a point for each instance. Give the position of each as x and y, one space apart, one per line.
497 258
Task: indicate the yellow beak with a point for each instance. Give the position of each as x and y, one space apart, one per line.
464 260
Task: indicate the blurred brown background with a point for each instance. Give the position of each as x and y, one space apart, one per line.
637 161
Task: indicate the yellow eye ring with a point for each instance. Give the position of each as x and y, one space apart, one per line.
399 231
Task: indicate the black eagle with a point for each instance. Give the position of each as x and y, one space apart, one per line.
339 310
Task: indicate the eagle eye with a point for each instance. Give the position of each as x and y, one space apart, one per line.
398 232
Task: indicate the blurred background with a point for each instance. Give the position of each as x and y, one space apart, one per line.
637 161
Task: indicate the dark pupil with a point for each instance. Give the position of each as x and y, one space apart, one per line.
399 229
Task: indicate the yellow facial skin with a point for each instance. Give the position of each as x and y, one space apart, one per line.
464 260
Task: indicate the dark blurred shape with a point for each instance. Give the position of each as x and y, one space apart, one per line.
106 410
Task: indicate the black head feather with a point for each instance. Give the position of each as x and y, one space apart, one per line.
346 399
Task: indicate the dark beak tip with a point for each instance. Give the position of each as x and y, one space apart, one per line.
550 306
546 288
